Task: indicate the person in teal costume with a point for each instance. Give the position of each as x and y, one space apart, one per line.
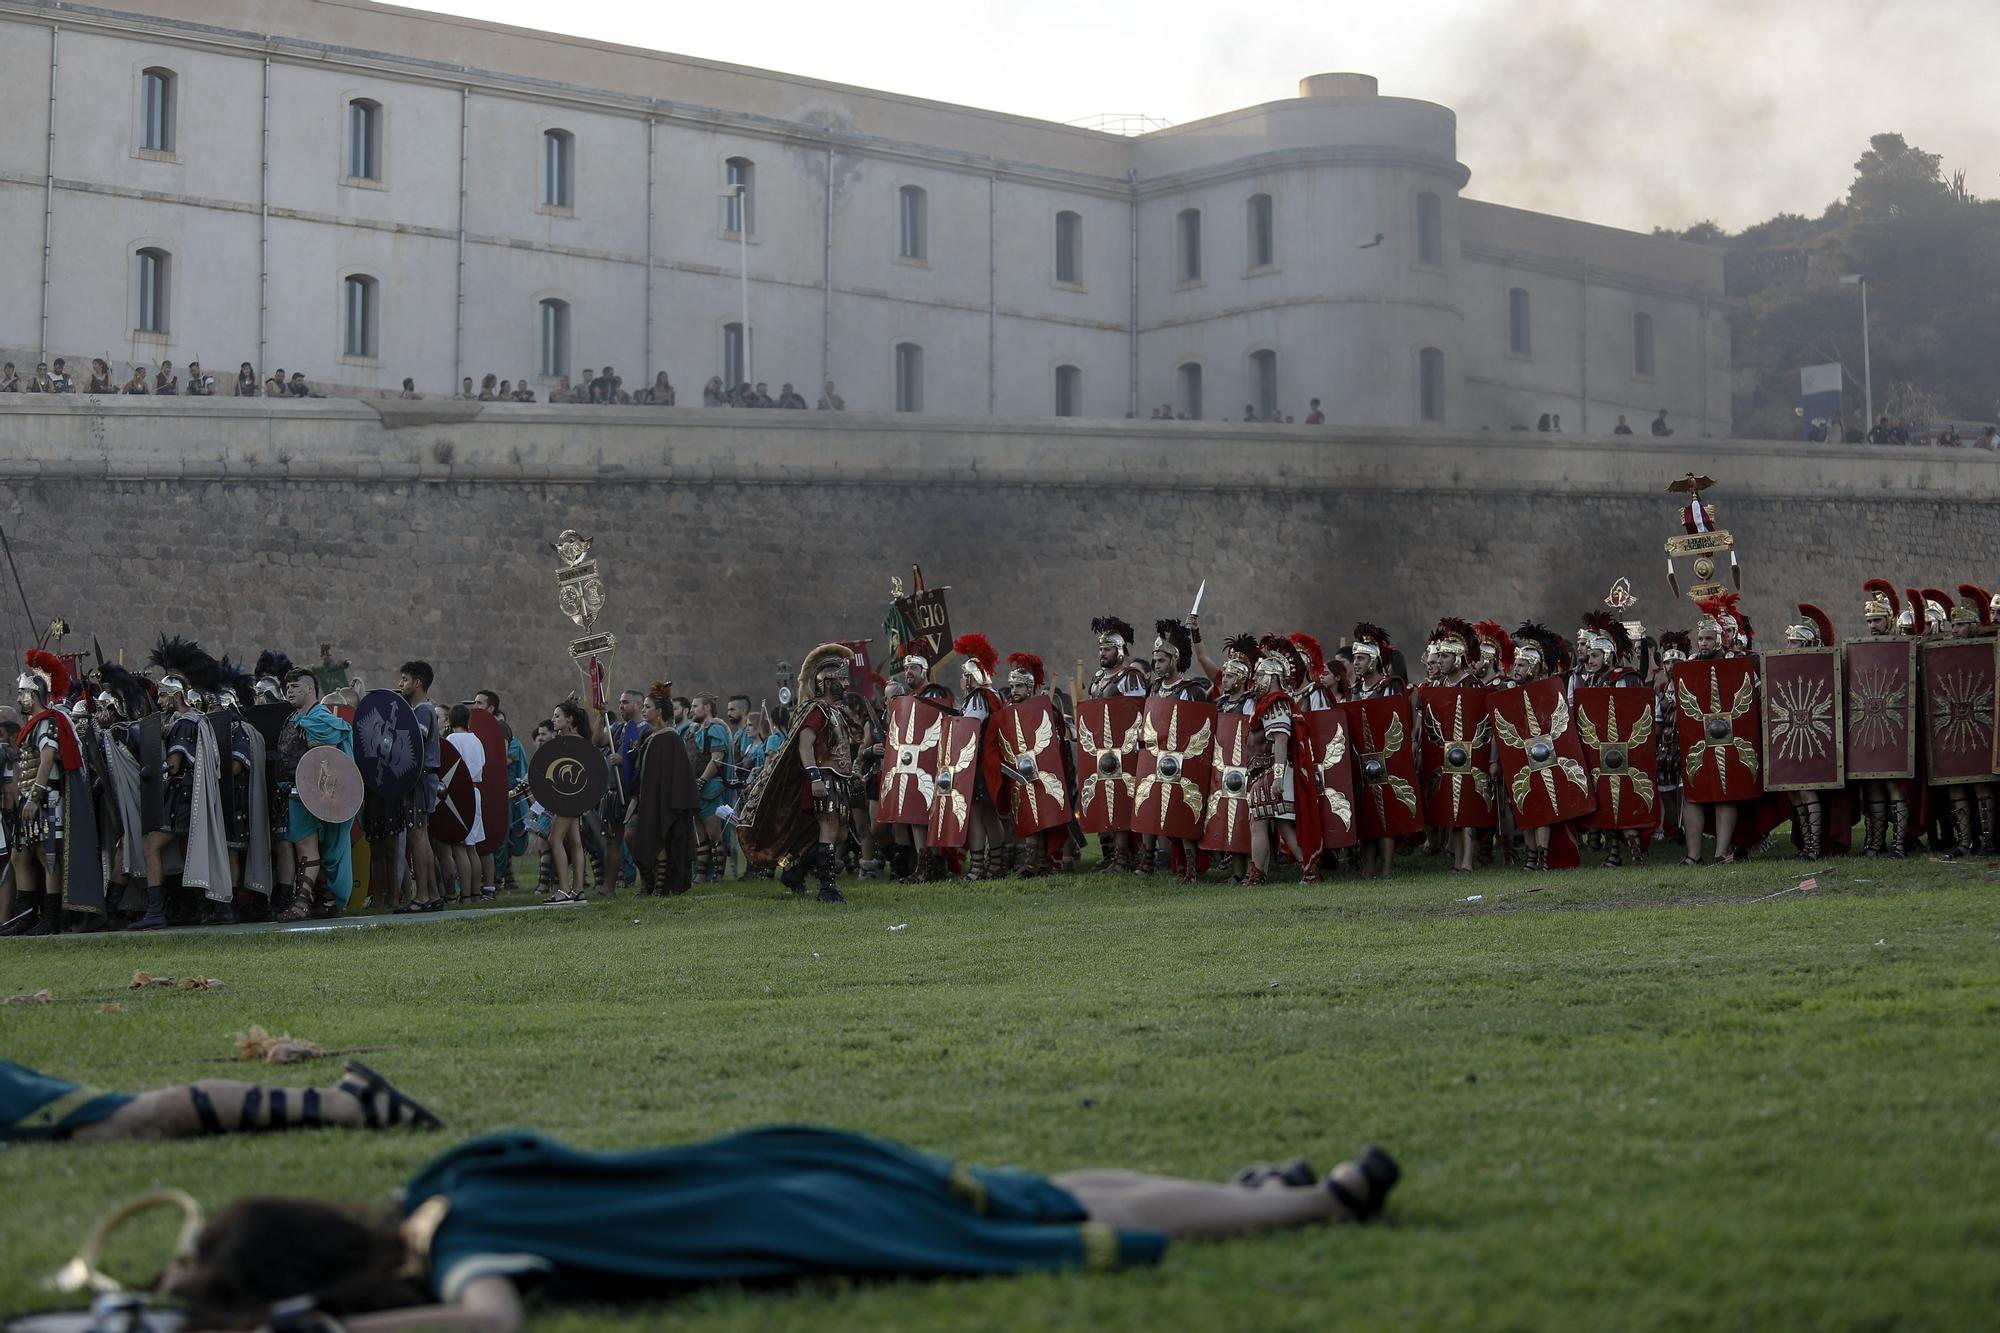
517 1209
324 860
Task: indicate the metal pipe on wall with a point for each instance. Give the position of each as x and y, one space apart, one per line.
264 226
826 282
458 318
1132 311
1583 348
49 188
647 368
992 294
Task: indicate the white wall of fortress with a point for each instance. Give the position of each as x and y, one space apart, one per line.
263 227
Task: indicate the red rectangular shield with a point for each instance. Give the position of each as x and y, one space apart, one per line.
1107 751
1332 776
1719 725
1541 756
957 772
1456 757
909 761
1176 757
1385 767
1031 743
1615 728
1881 711
1958 711
1801 729
1226 819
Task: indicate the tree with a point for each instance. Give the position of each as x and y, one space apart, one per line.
1892 178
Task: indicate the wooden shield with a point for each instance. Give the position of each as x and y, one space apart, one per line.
1881 708
1719 726
328 785
1958 711
1332 776
1226 817
1801 720
1456 738
1031 743
909 761
452 820
957 768
1107 746
1541 756
1621 755
1176 757
493 780
1384 743
388 747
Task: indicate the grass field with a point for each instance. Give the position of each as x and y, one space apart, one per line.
1631 1099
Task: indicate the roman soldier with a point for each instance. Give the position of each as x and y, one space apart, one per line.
1539 652
1042 854
1277 761
913 680
1880 610
1814 629
1495 662
985 837
1451 661
120 699
1321 685
1972 618
1675 646
1372 654
53 792
1174 675
1607 653
797 812
1117 676
1714 634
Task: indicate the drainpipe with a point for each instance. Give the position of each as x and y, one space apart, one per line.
992 294
1701 310
647 369
49 191
1583 348
1132 313
264 227
458 326
826 283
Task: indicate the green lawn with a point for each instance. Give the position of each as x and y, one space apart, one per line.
1632 1099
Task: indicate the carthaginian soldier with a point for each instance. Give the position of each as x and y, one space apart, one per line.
798 809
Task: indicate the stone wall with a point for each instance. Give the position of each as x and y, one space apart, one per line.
733 541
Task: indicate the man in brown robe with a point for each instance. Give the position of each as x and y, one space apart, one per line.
659 826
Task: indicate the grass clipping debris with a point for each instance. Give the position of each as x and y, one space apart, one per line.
257 1044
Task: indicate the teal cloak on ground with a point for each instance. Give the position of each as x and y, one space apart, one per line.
769 1204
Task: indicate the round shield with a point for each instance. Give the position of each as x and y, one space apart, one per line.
328 785
451 822
568 776
388 746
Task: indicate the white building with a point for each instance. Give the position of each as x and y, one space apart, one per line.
362 192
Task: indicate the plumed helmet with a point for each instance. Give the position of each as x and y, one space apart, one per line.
1025 669
981 658
1112 631
1371 640
827 667
1243 647
1813 630
1542 647
1454 638
1881 600
184 666
1675 646
1174 636
1277 662
1606 633
1937 609
1494 637
1312 658
46 674
1974 606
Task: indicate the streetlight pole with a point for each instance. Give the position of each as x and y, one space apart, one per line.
737 194
1867 372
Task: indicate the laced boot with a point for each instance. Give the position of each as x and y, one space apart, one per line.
1962 830
1143 861
1614 852
1108 854
1872 819
49 920
828 866
1899 828
1253 876
1634 845
1812 831
1986 845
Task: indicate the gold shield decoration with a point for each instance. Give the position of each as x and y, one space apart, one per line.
1541 756
1616 728
1719 759
1174 762
1028 744
1457 753
1226 820
910 762
1107 737
957 769
1385 766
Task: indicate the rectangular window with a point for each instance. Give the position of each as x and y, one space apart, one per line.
362 140
1069 391
1191 391
1263 241
909 377
910 223
156 113
1430 230
1190 245
152 292
739 208
360 336
735 364
553 339
1069 247
1266 365
1518 330
558 169
1430 384
1642 344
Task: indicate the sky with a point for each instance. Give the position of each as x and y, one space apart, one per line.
1633 115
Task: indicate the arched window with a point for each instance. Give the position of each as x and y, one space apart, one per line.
1430 229
1069 391
1190 383
1264 367
152 288
552 338
1519 332
358 325
1430 384
909 377
1069 247
1187 230
1263 239
735 356
364 139
1642 344
739 209
911 242
558 169
156 110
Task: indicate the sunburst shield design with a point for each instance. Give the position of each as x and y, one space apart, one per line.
1108 732
1031 745
1382 736
1615 728
1456 757
1542 767
1720 729
957 771
1226 816
909 762
1958 681
1333 775
1880 709
1801 718
1176 757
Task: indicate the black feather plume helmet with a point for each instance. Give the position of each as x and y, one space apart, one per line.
185 660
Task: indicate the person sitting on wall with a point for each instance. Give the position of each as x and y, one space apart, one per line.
711 392
275 386
661 391
522 393
100 377
1660 426
40 382
605 388
137 384
59 377
198 384
166 383
1315 417
298 388
1621 428
246 381
10 379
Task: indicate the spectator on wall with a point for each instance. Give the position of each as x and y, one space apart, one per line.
1542 425
711 392
1621 428
198 384
1249 412
100 377
10 379
246 381
489 388
137 384
522 393
1660 426
831 401
788 397
409 393
40 382
298 388
166 383
1315 417
59 377
275 386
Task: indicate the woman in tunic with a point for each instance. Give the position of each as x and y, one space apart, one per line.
660 826
769 1205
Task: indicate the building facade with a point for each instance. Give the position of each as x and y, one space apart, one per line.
364 193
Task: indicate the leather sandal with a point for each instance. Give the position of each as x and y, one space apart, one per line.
366 1086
